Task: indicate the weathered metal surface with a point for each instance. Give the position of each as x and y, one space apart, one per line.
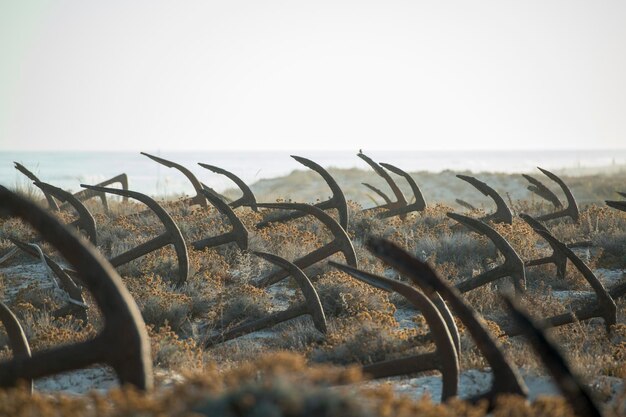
506 378
340 243
123 342
503 213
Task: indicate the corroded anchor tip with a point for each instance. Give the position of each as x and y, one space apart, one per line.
17 338
503 213
172 234
445 359
400 199
123 343
340 243
418 205
52 204
247 199
238 234
311 306
336 201
572 207
506 378
542 191
572 389
620 205
513 265
197 185
85 221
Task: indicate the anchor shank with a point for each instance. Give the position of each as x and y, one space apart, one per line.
307 260
403 366
213 241
324 205
146 247
256 325
481 279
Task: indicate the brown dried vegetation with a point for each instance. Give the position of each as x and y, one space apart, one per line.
253 375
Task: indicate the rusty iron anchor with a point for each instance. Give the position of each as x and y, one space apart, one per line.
122 343
506 378
52 204
341 242
76 305
444 359
337 201
85 221
195 182
247 199
83 195
17 338
312 306
172 234
513 265
557 257
400 199
418 205
503 213
238 234
572 389
604 305
542 191
572 207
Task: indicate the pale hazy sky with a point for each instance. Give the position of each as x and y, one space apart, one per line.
155 74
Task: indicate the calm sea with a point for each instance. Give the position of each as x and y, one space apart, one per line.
69 169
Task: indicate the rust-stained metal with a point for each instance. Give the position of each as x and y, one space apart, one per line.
571 210
589 311
85 195
557 257
572 389
503 213
445 358
542 191
85 221
17 338
337 201
619 205
311 306
379 192
52 204
197 185
603 306
400 199
172 234
506 378
603 298
513 265
340 243
418 205
238 234
247 199
123 342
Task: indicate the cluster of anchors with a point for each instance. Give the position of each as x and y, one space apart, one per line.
435 298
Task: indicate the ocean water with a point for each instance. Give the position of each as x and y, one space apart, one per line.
69 169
